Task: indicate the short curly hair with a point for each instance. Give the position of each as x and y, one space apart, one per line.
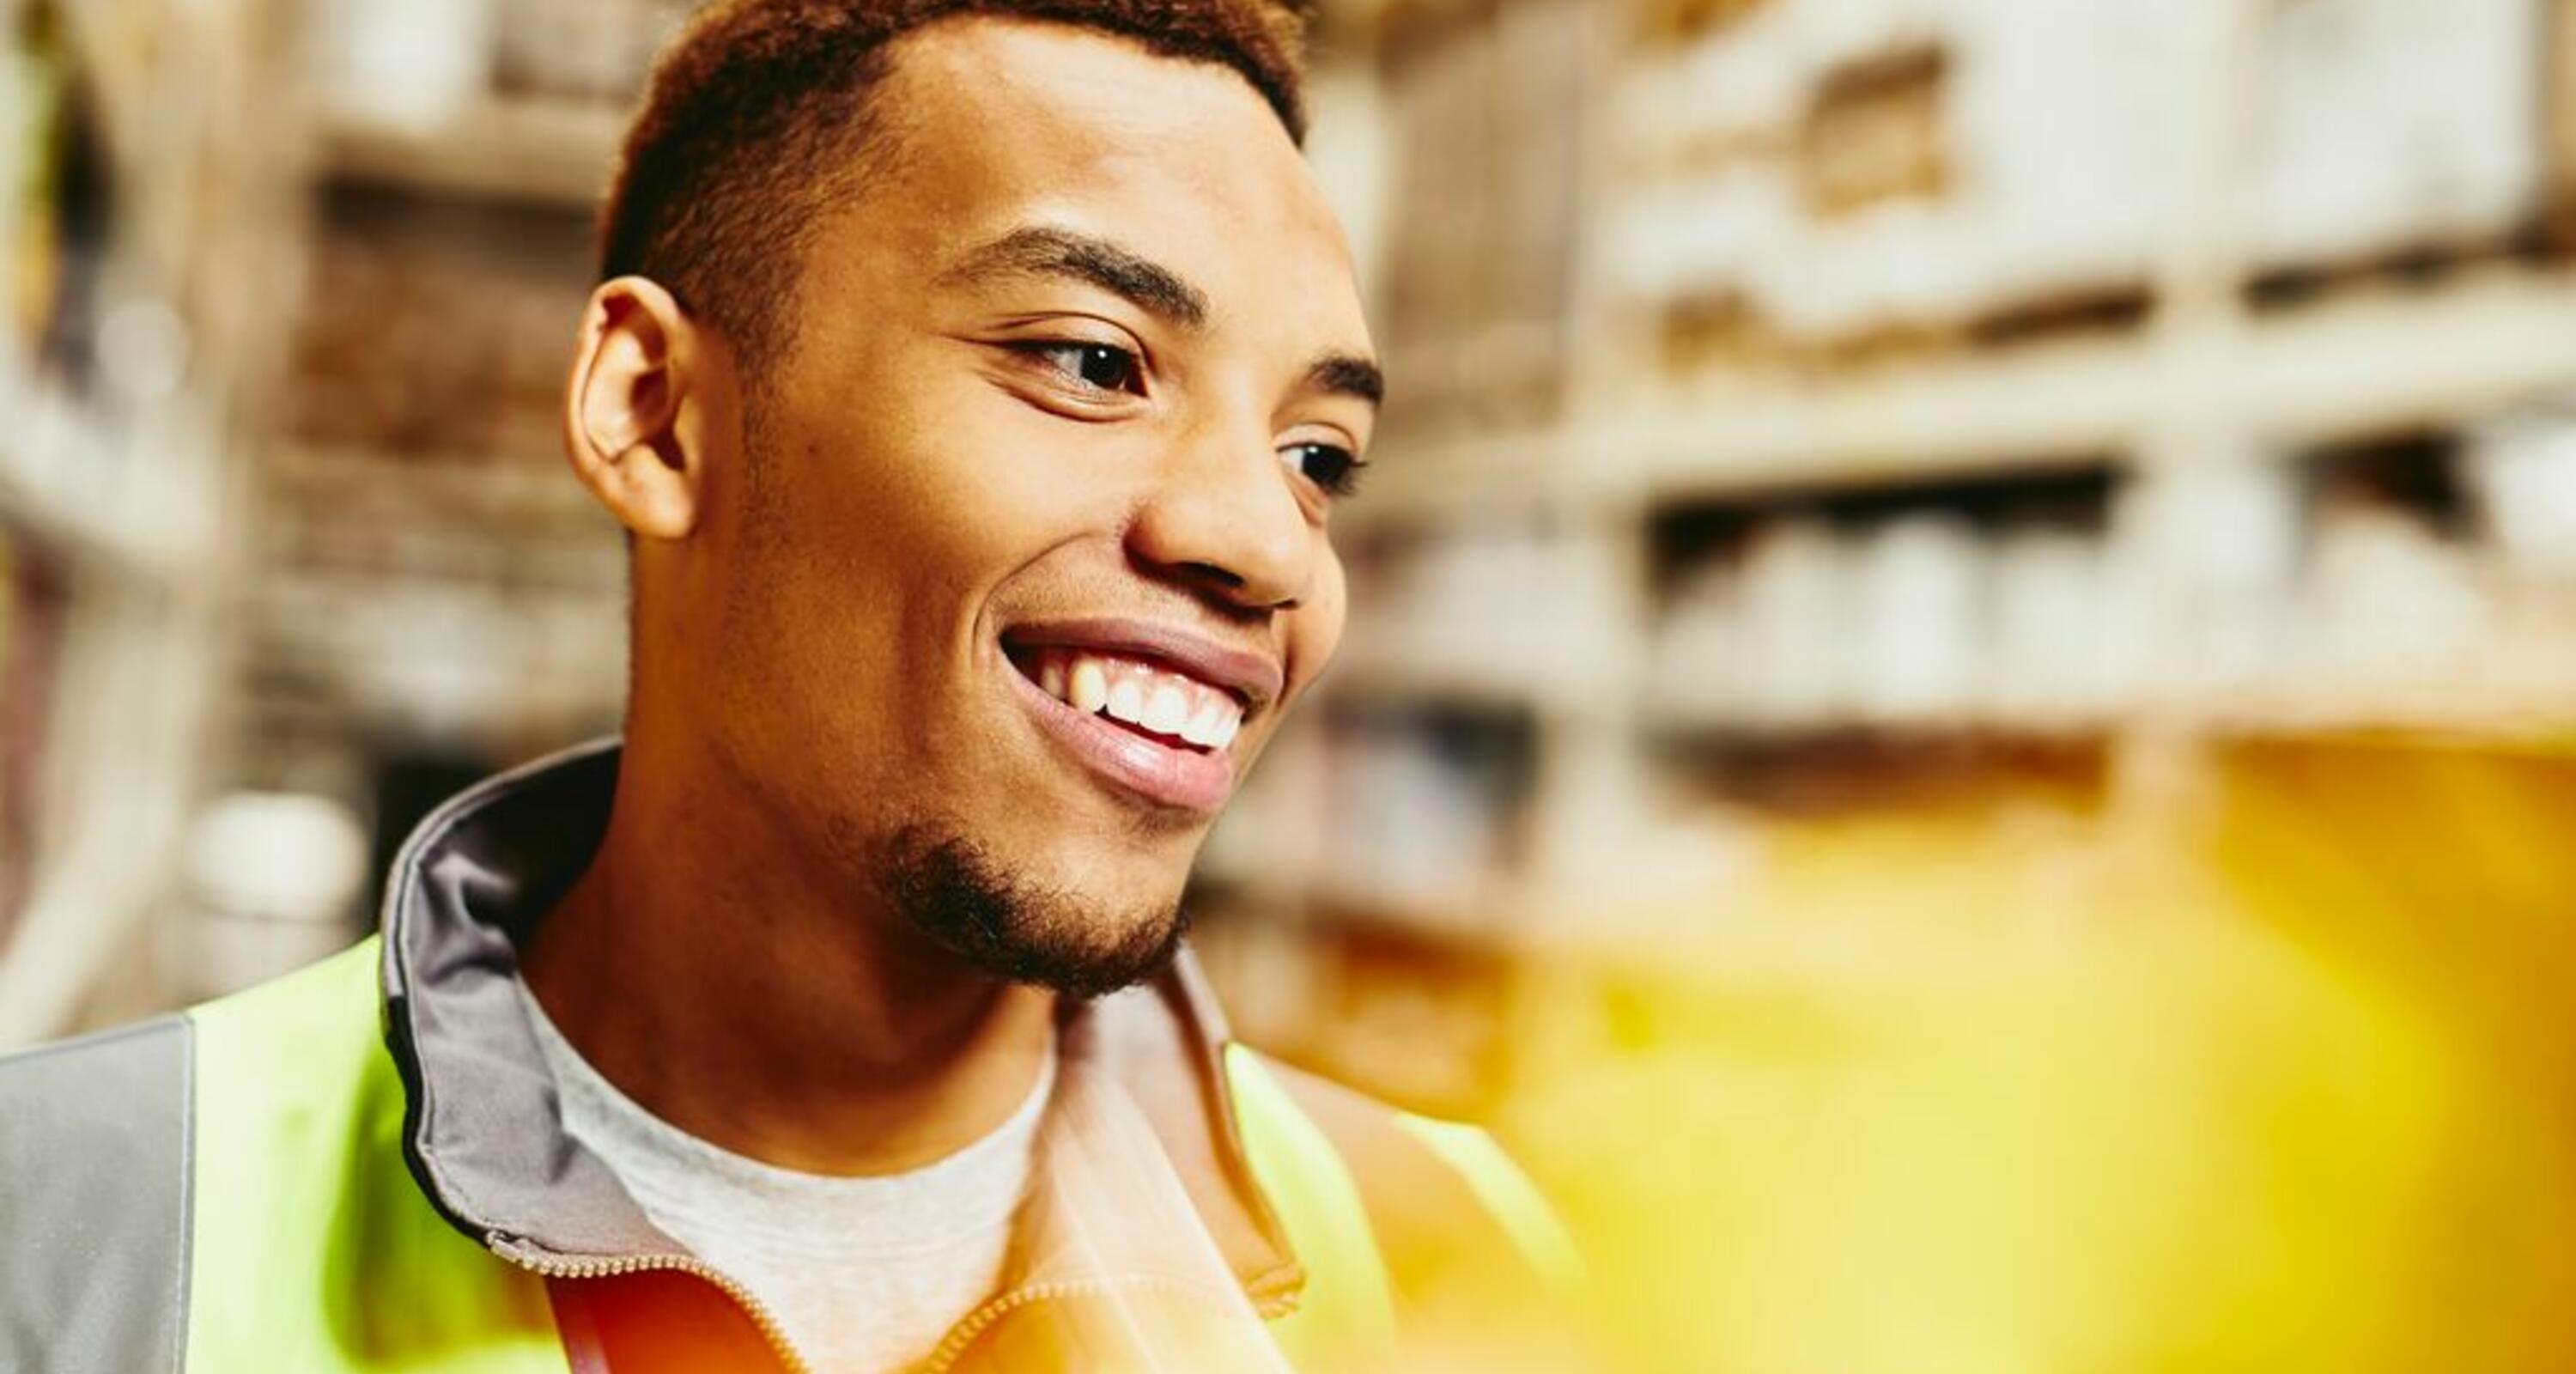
758 117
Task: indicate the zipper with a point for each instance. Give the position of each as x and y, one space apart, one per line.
964 1334
951 1349
744 1298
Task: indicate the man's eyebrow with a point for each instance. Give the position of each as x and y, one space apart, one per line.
1347 374
1037 250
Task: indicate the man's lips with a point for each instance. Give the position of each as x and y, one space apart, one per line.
1152 709
1168 775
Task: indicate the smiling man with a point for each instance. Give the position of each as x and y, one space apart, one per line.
976 382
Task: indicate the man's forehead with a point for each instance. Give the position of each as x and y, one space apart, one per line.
1036 85
1003 130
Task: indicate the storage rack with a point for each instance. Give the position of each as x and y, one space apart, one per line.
253 605
434 595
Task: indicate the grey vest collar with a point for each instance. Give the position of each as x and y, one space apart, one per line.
482 1131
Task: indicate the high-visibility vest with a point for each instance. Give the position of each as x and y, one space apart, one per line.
225 1191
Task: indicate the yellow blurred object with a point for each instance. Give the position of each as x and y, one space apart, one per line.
2284 1087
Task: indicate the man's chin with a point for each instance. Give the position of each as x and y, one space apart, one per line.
954 892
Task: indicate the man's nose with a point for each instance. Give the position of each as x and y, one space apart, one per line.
1224 520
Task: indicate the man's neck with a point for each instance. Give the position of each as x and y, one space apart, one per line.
708 971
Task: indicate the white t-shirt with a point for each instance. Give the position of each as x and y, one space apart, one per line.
865 1275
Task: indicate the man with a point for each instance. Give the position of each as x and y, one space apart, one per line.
976 382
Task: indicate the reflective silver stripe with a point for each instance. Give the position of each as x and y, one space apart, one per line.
95 1140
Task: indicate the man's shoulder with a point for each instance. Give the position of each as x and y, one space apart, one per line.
118 1089
1384 1153
1442 1198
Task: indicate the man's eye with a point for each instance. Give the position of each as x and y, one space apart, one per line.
1335 469
1099 367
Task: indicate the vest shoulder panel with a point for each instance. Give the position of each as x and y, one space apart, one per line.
94 1197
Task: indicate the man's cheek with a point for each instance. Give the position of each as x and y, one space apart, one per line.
1021 514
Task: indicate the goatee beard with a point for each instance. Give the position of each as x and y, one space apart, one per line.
951 890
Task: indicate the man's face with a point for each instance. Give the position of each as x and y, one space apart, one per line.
1029 551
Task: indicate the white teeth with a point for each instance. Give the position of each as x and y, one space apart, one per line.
1216 724
1202 727
1143 696
1127 701
1167 710
1089 687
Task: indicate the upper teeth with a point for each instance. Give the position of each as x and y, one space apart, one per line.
1141 694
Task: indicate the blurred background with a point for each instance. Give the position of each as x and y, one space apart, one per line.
1959 717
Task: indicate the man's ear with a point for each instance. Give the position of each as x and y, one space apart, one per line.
641 365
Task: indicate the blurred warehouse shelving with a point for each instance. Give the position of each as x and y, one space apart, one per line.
548 149
335 569
435 597
134 224
1854 410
